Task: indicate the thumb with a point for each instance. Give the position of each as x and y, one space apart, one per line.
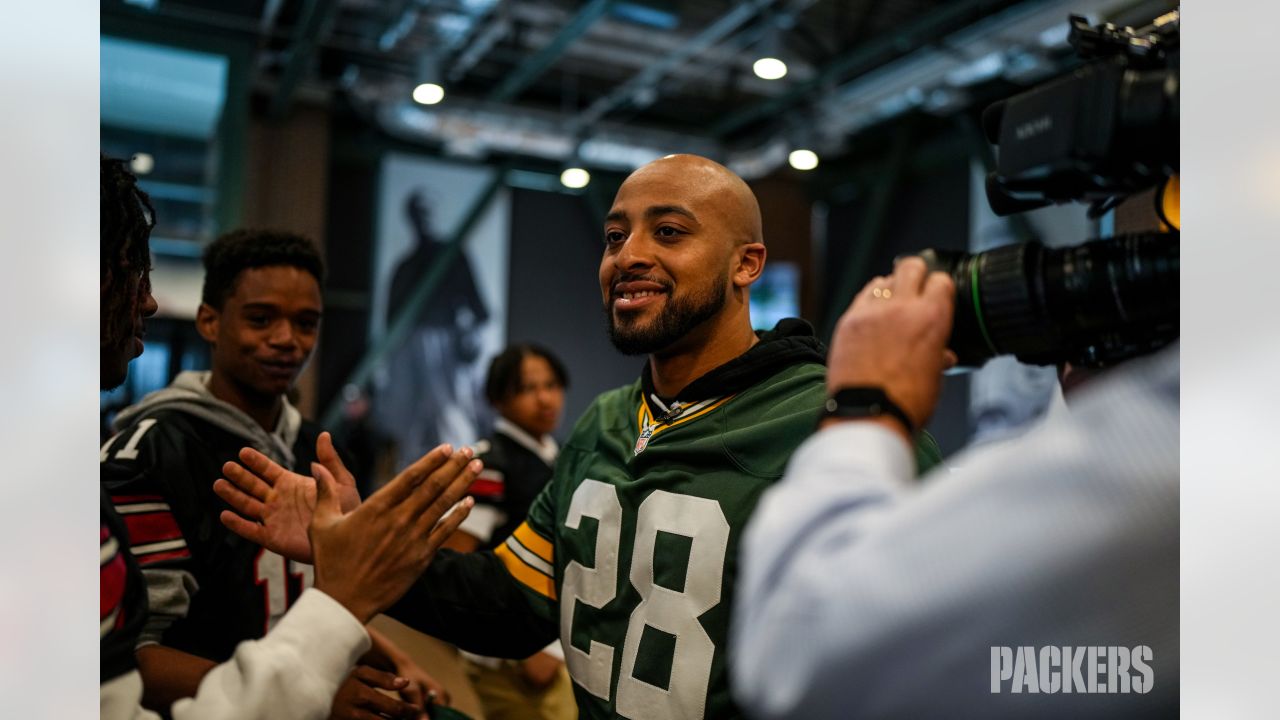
327 508
327 454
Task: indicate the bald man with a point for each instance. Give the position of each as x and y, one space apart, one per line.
629 555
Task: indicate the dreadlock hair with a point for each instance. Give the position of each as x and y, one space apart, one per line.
125 226
240 250
503 380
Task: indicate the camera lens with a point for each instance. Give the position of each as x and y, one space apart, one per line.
1091 304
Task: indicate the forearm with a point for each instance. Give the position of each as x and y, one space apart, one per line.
169 675
383 653
471 601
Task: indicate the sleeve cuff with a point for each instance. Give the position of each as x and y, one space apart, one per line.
325 633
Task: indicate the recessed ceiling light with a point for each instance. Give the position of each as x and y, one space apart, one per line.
428 94
803 159
575 178
142 163
769 68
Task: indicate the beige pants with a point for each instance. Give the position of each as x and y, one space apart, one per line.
506 695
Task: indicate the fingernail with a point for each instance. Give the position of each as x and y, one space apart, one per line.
448 449
468 502
468 451
476 466
400 682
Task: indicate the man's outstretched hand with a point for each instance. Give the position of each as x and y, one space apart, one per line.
368 558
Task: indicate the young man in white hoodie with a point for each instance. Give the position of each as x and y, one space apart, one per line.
208 588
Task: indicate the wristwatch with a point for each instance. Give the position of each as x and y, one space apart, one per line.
865 402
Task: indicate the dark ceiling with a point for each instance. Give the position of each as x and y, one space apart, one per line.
670 67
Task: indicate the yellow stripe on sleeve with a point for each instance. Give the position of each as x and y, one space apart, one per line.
530 578
534 542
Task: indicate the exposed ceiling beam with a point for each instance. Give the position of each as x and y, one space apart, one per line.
270 11
538 64
479 45
916 34
317 16
394 24
722 28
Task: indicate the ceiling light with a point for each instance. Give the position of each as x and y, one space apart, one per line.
769 68
428 94
803 159
575 178
142 163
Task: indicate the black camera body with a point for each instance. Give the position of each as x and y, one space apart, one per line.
1103 132
1106 130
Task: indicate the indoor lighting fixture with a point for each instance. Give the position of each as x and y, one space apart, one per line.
769 68
803 159
429 89
428 94
768 64
575 178
142 163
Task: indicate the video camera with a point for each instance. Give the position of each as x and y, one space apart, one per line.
1100 134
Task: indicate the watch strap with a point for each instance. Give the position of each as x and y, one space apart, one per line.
865 402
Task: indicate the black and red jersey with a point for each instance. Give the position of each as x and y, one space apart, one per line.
516 467
123 595
216 588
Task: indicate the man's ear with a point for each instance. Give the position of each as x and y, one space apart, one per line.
207 322
751 257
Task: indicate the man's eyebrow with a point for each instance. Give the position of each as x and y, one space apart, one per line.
273 307
656 211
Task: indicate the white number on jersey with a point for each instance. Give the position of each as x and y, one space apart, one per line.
271 571
130 449
675 613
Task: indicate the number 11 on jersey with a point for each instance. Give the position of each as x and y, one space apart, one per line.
272 572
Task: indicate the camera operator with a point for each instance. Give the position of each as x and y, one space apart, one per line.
976 594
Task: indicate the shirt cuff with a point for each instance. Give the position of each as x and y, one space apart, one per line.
323 632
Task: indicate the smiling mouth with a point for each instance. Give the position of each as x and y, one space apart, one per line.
277 368
638 295
627 302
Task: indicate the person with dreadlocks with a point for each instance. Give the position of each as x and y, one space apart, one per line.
297 668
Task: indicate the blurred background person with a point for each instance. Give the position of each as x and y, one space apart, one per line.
525 385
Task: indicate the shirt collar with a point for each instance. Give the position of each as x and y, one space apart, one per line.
546 449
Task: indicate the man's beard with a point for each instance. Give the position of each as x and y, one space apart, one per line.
677 319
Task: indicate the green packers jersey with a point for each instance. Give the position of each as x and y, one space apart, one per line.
630 553
633 547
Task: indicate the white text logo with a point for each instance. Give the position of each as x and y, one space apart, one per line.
1054 669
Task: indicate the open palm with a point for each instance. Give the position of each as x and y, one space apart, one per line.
273 506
